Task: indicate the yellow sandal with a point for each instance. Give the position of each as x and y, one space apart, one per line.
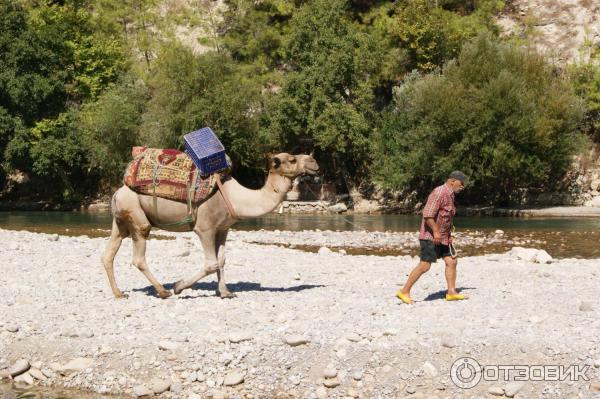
455 297
404 298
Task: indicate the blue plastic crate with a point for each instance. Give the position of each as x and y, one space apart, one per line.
207 152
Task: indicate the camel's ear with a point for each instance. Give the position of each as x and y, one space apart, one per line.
312 154
276 162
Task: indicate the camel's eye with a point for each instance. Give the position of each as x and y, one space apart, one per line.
292 160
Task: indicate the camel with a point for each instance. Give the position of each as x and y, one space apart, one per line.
135 214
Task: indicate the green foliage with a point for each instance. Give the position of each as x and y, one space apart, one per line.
110 128
500 114
329 98
82 81
208 90
433 34
586 81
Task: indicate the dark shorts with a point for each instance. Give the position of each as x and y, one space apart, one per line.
431 252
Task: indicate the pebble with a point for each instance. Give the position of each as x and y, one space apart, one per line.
330 372
167 345
159 385
13 328
331 382
76 365
233 378
25 377
37 374
411 389
141 390
430 370
176 387
321 392
19 367
295 340
595 386
496 391
449 342
240 336
586 307
324 251
357 375
512 388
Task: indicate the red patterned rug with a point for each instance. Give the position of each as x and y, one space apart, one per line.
168 174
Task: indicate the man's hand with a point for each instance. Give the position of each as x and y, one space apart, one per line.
437 237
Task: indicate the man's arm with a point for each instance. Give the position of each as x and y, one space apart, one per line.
437 237
430 212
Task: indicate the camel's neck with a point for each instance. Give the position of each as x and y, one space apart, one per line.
253 203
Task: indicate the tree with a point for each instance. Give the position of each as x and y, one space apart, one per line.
499 113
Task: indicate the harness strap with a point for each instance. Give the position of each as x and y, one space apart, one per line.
226 199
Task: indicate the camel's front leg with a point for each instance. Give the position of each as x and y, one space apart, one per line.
222 291
207 238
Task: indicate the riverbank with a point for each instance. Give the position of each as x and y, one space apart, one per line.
299 317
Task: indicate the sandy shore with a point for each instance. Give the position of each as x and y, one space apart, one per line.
303 324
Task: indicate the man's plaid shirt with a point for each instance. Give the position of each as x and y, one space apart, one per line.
440 207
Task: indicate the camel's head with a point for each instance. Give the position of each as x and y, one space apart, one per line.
293 165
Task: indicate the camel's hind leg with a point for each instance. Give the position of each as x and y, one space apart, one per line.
208 240
140 230
114 243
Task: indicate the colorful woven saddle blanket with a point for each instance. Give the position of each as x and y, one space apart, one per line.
167 173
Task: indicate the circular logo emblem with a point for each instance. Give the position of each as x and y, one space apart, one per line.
465 372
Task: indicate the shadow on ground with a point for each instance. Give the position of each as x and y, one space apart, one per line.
241 286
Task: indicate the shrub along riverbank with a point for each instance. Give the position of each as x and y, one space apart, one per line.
390 95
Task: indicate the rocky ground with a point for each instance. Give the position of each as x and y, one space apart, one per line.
310 325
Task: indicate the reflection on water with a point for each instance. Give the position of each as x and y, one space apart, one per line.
562 237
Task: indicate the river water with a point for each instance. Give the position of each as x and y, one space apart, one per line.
562 237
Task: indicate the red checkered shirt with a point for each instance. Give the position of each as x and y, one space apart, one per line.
440 207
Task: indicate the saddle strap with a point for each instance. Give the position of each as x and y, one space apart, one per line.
226 199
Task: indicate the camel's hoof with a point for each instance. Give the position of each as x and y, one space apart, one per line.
121 296
227 295
178 287
164 294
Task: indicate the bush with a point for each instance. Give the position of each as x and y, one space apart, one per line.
499 113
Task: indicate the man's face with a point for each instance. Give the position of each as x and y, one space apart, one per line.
456 185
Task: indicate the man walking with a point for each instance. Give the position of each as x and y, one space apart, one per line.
435 237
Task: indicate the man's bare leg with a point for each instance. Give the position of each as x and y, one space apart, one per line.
415 274
451 274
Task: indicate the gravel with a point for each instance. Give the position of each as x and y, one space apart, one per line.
280 334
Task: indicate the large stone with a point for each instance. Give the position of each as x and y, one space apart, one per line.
19 367
25 378
295 340
76 365
233 378
141 390
530 255
37 374
159 385
496 391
